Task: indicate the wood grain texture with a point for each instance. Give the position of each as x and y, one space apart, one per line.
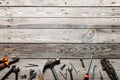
59 36
59 12
50 26
59 21
77 64
60 3
111 50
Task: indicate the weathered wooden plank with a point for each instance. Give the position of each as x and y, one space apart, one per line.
50 26
60 3
110 50
64 12
77 64
59 21
59 35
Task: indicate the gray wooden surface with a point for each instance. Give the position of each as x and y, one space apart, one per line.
59 36
43 50
60 3
7 22
60 28
60 12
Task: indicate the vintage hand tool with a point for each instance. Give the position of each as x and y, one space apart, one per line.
62 75
101 77
70 72
33 74
93 76
50 64
4 59
5 63
73 67
86 76
107 66
63 67
31 65
40 76
15 70
81 60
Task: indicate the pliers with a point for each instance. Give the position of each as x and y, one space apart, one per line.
5 63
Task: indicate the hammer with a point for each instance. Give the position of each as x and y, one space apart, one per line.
50 64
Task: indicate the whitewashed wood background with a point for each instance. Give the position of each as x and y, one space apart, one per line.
60 28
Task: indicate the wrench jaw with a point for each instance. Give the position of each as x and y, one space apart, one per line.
14 70
70 72
33 74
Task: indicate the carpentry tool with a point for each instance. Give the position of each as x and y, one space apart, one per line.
15 70
93 76
63 67
50 64
101 77
70 72
73 67
107 66
4 59
81 60
40 76
6 63
31 65
86 76
62 75
33 74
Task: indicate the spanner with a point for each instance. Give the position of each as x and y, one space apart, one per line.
15 70
33 74
70 72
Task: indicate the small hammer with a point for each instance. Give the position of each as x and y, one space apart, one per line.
50 64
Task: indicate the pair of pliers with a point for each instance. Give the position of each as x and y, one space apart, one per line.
5 63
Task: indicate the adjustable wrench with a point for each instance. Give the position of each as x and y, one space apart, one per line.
15 70
32 74
70 72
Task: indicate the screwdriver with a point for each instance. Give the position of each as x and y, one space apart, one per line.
93 76
82 63
86 76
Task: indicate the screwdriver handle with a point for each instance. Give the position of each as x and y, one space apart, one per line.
41 77
86 76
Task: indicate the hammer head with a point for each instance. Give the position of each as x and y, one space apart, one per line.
50 64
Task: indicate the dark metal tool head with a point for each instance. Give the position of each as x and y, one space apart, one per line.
14 70
107 66
51 64
14 60
33 74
